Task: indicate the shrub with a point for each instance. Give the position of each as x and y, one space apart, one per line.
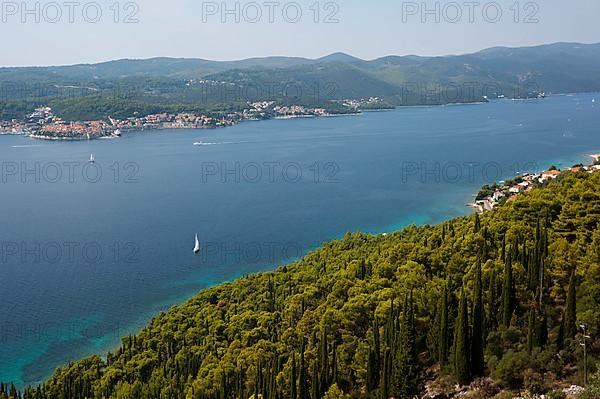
556 395
509 371
533 381
334 393
592 391
485 385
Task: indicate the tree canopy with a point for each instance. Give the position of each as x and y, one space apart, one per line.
370 316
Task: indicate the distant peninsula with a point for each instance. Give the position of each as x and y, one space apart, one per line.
100 99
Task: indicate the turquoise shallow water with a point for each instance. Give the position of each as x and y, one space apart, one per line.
88 258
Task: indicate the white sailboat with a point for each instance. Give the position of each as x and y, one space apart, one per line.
92 160
197 246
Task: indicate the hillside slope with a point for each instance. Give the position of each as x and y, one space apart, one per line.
402 80
380 316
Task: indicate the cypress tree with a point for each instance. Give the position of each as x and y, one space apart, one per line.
491 314
405 373
374 362
531 327
462 367
258 380
323 364
515 249
390 338
541 276
525 256
372 366
560 338
334 369
542 330
315 388
507 293
303 386
377 345
293 378
477 341
387 373
443 334
570 319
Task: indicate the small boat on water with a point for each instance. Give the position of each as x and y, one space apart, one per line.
92 160
197 246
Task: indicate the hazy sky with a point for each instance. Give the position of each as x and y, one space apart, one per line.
73 31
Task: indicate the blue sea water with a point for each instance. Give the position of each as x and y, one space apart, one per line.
87 258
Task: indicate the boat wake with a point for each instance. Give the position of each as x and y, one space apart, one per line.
25 146
204 143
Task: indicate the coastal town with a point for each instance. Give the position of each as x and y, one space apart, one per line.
43 123
491 196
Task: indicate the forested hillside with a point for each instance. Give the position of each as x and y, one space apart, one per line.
499 295
84 91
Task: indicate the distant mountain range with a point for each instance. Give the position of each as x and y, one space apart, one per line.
399 80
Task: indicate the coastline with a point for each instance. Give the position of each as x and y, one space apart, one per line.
166 127
233 122
508 190
583 154
282 117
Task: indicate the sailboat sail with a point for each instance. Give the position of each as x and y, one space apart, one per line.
92 158
197 245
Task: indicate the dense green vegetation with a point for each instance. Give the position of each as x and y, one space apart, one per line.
102 106
497 295
140 96
95 108
191 84
10 110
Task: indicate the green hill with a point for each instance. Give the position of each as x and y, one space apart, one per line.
498 295
408 80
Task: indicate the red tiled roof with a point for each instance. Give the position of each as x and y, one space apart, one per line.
552 173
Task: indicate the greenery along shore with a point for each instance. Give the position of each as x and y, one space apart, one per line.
498 295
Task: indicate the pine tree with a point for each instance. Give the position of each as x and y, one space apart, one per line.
477 341
570 319
462 367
